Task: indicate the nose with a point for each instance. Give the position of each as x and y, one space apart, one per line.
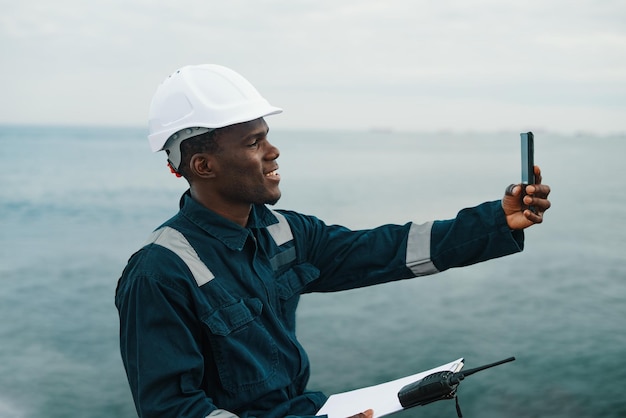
272 152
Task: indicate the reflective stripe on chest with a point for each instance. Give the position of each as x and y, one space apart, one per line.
280 232
176 242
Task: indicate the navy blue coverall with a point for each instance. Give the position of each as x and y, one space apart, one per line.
207 308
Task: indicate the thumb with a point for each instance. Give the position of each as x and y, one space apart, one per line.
512 190
368 414
365 414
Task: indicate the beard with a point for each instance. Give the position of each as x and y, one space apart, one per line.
255 195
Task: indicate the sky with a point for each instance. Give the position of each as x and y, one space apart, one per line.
406 65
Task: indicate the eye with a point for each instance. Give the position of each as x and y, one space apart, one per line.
255 142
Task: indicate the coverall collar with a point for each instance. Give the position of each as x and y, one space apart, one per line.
228 232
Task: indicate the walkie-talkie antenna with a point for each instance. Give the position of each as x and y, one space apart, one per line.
458 376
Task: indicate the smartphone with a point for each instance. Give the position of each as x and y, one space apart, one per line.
528 162
528 158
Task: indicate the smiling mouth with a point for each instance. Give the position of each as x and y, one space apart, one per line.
272 173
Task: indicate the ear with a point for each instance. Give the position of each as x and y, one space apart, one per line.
202 165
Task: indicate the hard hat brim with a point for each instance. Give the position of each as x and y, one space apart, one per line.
159 139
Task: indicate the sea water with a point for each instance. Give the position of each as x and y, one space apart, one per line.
76 202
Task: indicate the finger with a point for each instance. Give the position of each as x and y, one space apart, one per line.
538 177
544 190
535 218
538 190
540 205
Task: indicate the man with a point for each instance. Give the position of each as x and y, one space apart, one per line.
207 306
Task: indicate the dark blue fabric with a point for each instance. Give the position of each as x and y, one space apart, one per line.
230 344
476 234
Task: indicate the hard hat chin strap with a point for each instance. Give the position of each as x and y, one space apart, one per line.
174 172
172 145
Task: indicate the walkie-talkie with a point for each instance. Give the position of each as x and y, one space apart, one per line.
438 386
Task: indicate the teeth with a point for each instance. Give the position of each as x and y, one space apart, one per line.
272 173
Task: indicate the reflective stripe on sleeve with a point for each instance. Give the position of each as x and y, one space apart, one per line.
418 250
177 243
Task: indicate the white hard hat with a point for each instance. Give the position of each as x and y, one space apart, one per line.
202 96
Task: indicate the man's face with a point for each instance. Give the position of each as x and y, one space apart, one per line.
245 166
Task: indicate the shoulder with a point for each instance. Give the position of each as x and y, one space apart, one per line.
159 263
297 219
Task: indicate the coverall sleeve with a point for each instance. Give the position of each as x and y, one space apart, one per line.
475 235
350 259
159 341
